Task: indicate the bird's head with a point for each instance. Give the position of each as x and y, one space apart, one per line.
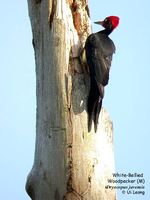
110 22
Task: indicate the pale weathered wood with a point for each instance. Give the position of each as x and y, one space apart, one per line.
69 163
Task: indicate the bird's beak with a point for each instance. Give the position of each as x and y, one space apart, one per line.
99 22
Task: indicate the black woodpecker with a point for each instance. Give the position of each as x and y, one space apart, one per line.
99 49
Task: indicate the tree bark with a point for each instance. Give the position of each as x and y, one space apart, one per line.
69 162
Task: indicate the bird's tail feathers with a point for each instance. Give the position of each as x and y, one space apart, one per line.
94 108
91 106
97 110
94 105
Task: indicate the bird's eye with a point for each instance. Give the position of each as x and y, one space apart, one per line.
106 20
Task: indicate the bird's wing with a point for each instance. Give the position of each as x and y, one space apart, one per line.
99 51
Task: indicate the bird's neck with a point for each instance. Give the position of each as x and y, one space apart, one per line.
106 31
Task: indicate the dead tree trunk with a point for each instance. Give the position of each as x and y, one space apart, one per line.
69 163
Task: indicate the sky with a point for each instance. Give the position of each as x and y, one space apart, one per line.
126 98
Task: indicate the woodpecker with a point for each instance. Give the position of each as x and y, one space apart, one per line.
99 49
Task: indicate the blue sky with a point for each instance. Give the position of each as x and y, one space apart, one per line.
126 98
